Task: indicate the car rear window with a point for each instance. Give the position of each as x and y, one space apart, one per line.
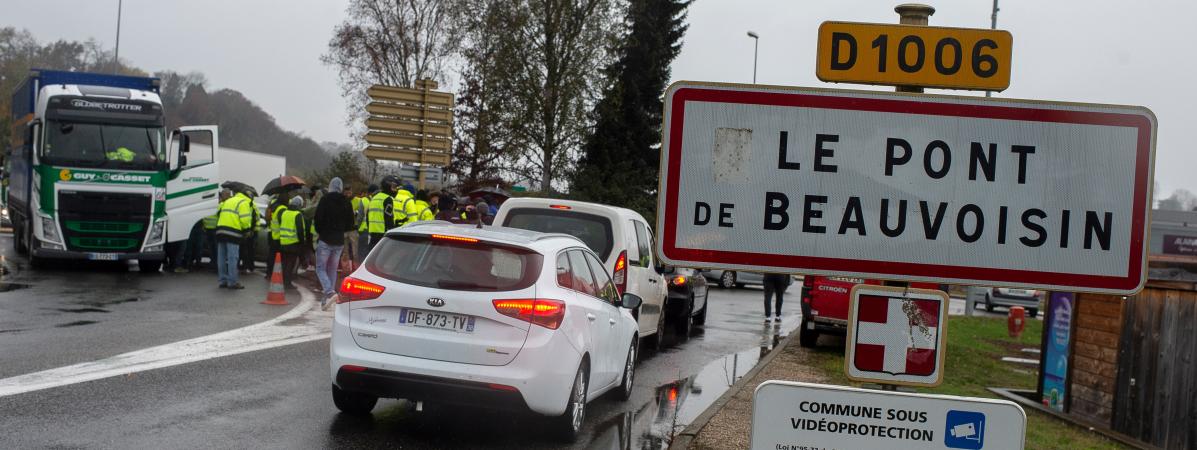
593 230
459 265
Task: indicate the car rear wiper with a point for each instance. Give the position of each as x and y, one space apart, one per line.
453 284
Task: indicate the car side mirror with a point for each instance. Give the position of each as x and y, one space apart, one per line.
630 301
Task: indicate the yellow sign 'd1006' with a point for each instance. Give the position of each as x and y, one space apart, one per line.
910 55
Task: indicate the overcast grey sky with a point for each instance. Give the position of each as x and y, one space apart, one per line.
1069 50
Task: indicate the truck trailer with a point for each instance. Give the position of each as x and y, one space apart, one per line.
93 175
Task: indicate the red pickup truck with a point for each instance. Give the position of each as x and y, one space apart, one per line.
825 303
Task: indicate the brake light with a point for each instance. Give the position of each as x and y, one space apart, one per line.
352 368
620 277
353 289
559 207
678 280
545 312
454 238
502 387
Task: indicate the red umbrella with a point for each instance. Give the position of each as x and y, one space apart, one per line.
283 184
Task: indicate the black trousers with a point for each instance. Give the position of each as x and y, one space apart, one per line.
247 252
290 266
774 285
374 238
274 248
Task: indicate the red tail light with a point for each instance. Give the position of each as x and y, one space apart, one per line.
502 387
352 368
353 289
678 280
541 311
620 277
560 207
443 237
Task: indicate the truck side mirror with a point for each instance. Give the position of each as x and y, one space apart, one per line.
184 147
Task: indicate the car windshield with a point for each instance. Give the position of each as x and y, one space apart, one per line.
454 264
103 145
593 230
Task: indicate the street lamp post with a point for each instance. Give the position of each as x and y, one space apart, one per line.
756 39
116 59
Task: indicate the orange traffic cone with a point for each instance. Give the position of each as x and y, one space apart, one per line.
276 296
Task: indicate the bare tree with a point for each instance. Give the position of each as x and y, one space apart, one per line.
1180 200
553 53
390 42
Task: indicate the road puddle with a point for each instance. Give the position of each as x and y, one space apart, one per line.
652 426
105 303
8 287
77 323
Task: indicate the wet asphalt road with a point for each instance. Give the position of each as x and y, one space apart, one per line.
279 398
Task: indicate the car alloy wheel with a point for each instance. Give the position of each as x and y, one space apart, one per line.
629 372
727 280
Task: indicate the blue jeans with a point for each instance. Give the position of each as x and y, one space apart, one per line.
328 258
227 254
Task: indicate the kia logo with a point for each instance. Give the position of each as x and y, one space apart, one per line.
437 302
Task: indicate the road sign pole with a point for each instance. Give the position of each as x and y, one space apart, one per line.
913 14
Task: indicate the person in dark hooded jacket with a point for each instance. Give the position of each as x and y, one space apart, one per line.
334 217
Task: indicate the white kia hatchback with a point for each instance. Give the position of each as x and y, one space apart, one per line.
620 237
491 317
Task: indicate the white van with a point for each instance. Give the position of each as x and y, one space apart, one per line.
619 236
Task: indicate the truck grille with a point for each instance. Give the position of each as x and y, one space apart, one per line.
104 221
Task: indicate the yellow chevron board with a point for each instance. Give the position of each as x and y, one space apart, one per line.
408 126
402 140
393 94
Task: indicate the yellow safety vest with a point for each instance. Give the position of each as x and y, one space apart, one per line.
363 204
376 215
288 232
274 222
121 154
411 211
425 211
236 214
210 221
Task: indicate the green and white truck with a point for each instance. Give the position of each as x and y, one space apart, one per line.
93 174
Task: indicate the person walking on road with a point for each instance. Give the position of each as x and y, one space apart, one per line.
775 284
274 212
334 218
294 239
351 235
235 215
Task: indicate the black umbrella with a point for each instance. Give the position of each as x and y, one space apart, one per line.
492 191
282 184
237 186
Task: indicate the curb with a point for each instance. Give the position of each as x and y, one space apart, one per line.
683 440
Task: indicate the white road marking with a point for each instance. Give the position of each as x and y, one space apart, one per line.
260 336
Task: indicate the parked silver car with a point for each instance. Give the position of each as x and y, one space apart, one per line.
728 279
1026 298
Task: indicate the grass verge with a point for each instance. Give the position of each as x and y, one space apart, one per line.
975 348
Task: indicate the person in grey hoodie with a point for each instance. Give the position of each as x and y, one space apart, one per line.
334 217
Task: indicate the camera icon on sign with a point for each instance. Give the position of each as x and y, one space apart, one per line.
964 429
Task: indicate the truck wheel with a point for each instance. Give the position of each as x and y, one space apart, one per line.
18 239
149 266
806 337
701 318
685 321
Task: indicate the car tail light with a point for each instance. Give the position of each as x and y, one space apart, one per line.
620 277
540 311
678 280
353 289
560 207
502 387
352 368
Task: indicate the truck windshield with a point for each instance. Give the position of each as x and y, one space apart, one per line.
103 145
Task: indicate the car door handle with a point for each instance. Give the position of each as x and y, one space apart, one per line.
612 321
652 280
590 317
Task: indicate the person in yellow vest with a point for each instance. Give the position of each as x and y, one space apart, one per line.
122 154
249 244
274 211
410 209
363 230
423 208
384 213
294 239
234 220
